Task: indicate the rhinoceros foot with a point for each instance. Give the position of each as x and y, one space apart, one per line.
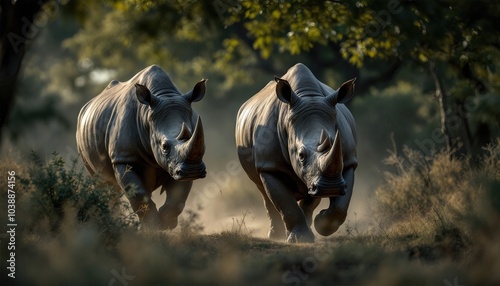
169 215
169 224
300 236
327 222
151 219
276 234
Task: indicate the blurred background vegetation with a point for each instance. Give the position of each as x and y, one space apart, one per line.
427 82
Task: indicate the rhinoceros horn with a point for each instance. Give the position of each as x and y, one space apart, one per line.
195 147
331 163
324 142
184 134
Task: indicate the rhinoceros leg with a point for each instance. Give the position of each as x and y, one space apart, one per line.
281 195
139 198
276 228
329 220
308 204
177 193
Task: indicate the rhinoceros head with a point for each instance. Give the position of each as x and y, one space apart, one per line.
176 140
314 142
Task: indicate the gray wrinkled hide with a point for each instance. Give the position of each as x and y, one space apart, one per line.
135 135
270 135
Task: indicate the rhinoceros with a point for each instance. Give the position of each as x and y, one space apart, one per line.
142 134
296 141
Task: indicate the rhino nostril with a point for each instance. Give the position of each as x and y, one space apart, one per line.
313 189
179 173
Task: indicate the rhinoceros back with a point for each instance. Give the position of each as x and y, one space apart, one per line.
257 133
103 123
112 127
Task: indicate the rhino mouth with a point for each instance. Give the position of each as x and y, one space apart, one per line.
328 187
189 172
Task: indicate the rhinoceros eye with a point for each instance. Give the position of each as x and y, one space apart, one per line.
165 147
302 156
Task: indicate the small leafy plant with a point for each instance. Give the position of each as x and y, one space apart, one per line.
54 191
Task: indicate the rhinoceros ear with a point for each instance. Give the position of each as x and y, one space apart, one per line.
344 93
284 91
144 95
198 91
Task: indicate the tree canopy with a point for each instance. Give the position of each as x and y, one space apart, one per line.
448 48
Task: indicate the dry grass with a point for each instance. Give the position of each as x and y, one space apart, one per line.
439 195
439 218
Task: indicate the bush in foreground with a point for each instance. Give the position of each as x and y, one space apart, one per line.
447 205
53 192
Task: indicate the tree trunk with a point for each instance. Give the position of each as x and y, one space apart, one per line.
443 106
16 31
462 113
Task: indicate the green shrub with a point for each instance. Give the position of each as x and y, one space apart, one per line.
52 192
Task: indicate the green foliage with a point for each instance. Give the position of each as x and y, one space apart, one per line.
296 26
368 29
53 193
